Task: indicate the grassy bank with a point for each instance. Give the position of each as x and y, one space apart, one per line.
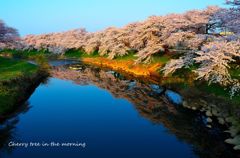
78 54
11 69
17 79
27 54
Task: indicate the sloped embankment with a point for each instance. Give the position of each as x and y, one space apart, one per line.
18 80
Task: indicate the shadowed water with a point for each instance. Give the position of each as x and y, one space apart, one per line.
115 115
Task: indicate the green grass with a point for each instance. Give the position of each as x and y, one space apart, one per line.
14 79
77 54
220 91
10 68
27 54
158 58
73 54
235 73
163 59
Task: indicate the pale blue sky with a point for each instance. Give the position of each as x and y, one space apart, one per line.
43 16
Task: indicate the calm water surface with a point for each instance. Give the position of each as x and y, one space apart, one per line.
115 116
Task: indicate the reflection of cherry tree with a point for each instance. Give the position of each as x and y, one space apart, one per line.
134 91
150 104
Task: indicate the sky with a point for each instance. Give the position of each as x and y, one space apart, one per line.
45 16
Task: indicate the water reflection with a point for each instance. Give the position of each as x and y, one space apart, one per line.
8 128
9 121
151 102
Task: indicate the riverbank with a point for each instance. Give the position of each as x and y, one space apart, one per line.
18 79
121 63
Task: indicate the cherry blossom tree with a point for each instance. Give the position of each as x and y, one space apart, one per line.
183 62
146 38
227 19
8 36
217 53
215 58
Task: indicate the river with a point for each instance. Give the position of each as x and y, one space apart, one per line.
83 111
